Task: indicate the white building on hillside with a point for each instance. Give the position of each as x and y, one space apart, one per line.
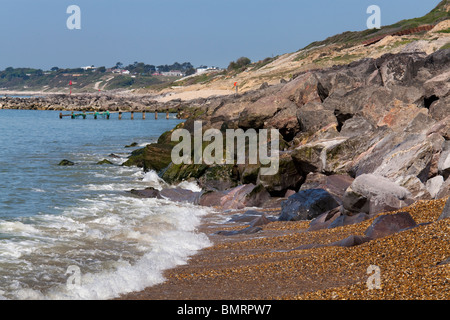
206 69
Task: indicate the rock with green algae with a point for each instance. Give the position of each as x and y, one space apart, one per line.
179 172
104 161
132 145
288 176
66 162
154 156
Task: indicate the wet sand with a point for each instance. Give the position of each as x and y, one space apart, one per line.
264 266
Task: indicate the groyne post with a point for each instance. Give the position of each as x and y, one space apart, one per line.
156 115
132 115
120 115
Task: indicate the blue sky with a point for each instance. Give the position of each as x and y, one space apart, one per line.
209 32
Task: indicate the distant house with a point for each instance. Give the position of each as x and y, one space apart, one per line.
201 70
88 68
173 73
121 71
204 69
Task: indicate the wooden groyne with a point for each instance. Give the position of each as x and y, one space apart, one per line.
106 114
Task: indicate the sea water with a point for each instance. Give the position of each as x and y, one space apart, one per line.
76 232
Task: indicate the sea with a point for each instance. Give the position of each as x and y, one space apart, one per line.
76 232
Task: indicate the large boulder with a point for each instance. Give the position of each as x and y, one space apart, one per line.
211 198
155 156
446 211
411 157
247 195
442 128
444 161
181 195
306 205
175 194
444 190
434 185
313 116
302 89
287 177
285 121
147 193
418 189
279 104
218 177
371 194
348 77
336 184
400 69
356 126
388 224
440 109
329 156
255 114
324 220
438 86
345 220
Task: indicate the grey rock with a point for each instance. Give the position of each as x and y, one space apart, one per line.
313 116
444 192
444 161
147 193
434 185
371 194
324 220
345 220
350 241
446 211
248 230
306 205
388 224
260 221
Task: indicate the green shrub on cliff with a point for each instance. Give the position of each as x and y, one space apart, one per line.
239 63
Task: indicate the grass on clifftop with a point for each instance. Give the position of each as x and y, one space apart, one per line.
435 16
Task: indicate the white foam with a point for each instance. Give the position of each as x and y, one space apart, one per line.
153 180
16 250
190 185
155 235
17 227
172 249
144 144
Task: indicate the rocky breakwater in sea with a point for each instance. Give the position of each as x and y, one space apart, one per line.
95 102
355 141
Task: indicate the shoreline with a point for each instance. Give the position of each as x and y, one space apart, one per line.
264 266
